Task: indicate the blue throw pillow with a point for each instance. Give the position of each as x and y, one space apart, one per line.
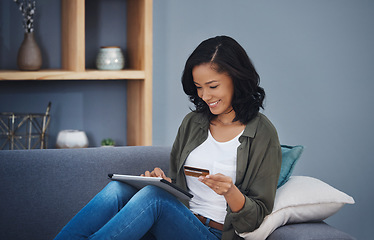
290 155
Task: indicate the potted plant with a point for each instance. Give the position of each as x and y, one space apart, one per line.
107 142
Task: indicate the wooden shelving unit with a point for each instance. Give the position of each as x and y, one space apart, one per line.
138 74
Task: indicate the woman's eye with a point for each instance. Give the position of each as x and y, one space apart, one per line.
213 86
198 87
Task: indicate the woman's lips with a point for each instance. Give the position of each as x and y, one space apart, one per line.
213 104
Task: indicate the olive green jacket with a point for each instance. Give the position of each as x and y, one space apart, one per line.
258 165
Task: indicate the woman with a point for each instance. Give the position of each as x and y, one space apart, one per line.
225 134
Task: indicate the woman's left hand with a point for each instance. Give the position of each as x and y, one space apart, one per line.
219 183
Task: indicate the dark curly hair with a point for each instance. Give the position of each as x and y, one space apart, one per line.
226 56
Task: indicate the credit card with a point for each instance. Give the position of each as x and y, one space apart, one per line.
195 172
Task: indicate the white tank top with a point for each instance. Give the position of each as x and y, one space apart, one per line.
217 157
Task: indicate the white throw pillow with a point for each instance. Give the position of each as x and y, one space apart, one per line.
301 199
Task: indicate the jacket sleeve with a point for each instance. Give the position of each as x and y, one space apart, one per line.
176 149
174 156
260 186
185 131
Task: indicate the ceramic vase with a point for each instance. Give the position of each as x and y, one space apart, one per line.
29 54
110 58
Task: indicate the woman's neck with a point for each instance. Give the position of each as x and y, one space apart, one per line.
225 129
226 118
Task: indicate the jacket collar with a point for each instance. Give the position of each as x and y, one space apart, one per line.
202 121
251 128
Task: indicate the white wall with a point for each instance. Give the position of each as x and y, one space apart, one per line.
315 61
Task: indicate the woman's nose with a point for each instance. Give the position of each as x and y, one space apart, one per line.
205 95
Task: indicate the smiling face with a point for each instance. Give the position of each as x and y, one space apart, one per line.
216 89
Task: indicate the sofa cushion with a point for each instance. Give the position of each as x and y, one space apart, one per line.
41 190
290 155
301 199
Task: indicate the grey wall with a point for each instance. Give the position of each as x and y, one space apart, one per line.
315 61
314 57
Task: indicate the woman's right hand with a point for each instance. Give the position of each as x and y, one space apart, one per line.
157 172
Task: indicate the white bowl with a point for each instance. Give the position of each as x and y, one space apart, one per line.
72 139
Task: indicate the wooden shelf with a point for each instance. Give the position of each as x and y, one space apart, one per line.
56 74
139 49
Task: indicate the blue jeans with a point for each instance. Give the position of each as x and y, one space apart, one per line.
120 211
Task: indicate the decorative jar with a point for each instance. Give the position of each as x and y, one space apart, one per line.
110 58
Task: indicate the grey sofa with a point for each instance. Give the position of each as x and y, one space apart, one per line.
41 190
